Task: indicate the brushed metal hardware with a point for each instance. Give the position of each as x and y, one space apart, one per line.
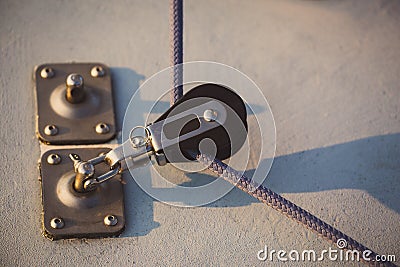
74 103
68 213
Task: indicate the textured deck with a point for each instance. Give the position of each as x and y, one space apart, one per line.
329 69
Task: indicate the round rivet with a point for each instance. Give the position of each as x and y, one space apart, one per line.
47 73
210 115
57 223
50 130
137 141
110 220
97 71
102 128
53 159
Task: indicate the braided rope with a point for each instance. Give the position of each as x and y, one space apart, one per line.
176 36
227 173
284 206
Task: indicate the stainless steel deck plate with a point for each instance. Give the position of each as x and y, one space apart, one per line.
68 214
63 121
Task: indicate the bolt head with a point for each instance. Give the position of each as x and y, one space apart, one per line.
110 220
53 159
86 169
102 128
46 73
57 223
74 80
210 115
50 130
97 71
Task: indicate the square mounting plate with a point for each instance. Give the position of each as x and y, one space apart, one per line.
81 215
75 123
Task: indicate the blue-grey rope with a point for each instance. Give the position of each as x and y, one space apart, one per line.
176 35
286 207
227 173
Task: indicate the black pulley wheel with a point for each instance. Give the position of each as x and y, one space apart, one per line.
228 138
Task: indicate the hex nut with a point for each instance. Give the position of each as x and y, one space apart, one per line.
97 71
57 223
53 159
50 130
102 128
110 220
47 73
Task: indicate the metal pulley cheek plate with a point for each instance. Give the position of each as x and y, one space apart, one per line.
74 103
208 111
69 214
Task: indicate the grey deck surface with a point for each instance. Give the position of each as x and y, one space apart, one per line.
329 69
